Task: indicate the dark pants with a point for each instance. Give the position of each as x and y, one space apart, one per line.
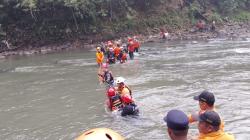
136 49
131 55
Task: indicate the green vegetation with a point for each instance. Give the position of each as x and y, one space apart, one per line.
241 16
32 21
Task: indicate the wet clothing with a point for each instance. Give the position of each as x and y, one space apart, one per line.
99 57
219 135
131 55
136 45
123 57
108 77
111 57
117 51
131 49
124 90
115 103
130 109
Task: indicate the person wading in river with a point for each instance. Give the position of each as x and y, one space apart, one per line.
99 56
106 75
177 123
114 101
122 89
129 106
209 127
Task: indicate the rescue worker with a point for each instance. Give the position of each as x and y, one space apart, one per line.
129 107
117 51
106 75
131 49
177 123
111 56
122 89
123 56
100 134
206 102
114 100
136 44
209 127
99 56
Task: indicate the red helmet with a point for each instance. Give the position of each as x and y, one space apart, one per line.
127 98
111 92
130 39
105 65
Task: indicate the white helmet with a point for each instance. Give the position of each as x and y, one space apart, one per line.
119 80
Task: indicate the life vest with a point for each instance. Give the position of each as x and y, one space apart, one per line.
131 47
116 102
121 89
117 51
136 44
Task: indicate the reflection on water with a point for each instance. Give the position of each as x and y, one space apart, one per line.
57 96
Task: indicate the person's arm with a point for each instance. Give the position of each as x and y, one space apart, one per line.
193 117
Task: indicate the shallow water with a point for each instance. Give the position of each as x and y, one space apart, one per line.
57 96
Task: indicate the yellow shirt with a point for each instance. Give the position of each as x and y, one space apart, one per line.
194 118
99 57
218 135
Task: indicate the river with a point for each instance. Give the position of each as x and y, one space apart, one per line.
57 96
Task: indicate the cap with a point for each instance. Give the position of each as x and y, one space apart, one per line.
176 120
206 96
210 117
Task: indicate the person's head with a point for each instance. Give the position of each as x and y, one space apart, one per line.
177 123
206 100
120 81
111 92
110 44
100 134
98 49
111 49
105 67
127 99
209 122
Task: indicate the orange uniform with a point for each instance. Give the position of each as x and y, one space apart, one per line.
117 51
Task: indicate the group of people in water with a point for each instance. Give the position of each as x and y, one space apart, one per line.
119 95
119 98
116 51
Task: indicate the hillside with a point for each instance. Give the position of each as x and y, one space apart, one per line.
40 22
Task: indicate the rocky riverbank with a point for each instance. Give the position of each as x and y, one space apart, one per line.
240 31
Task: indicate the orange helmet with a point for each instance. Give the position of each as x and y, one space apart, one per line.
100 134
